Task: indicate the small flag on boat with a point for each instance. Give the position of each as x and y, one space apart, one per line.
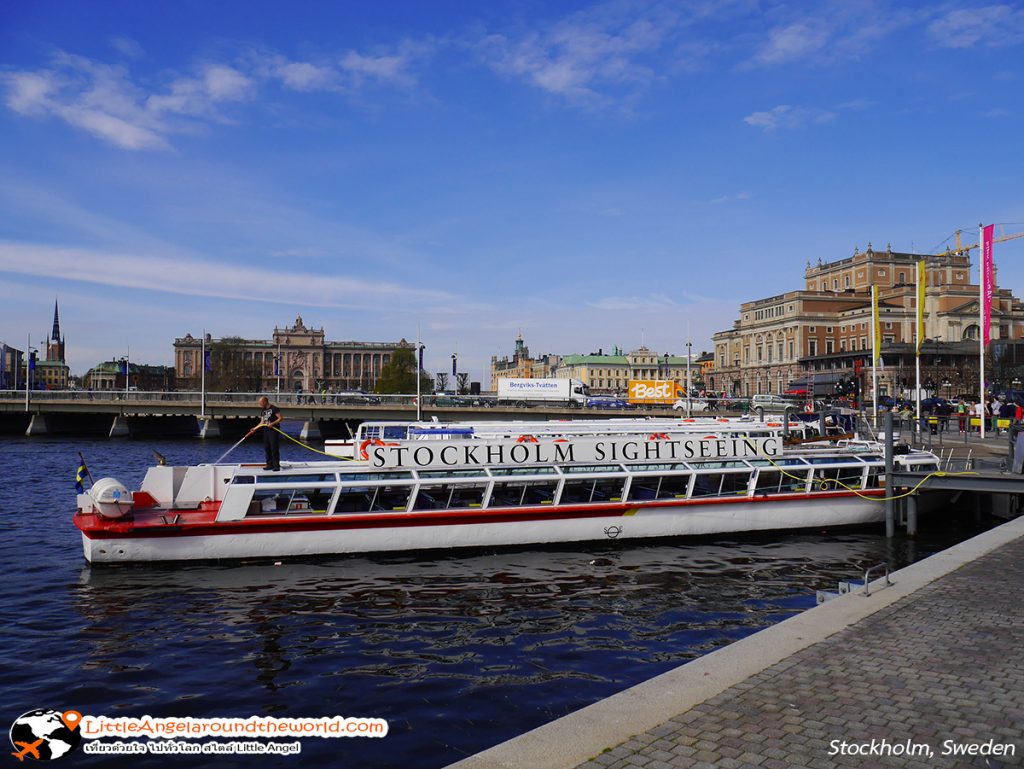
79 477
207 362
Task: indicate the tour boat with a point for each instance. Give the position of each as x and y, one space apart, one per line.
413 495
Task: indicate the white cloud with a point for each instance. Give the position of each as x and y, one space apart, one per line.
193 277
198 96
303 75
992 26
788 116
793 41
730 198
587 58
127 47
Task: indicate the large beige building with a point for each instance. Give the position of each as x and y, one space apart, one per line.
611 373
298 357
823 330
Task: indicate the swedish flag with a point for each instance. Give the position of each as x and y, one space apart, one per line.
79 477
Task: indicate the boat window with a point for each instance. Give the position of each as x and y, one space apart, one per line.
839 477
783 461
395 432
356 499
389 499
362 477
873 475
582 491
443 496
522 470
721 484
243 479
308 500
279 478
518 493
569 469
770 482
659 468
718 465
451 474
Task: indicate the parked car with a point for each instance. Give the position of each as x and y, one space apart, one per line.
607 402
696 404
773 402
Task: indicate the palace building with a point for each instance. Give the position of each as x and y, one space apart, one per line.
812 337
296 357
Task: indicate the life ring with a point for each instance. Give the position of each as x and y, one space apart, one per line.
808 408
561 440
773 424
371 442
658 437
526 439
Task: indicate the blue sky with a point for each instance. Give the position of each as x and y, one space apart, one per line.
594 174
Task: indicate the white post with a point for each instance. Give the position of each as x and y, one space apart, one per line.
127 368
917 391
278 367
919 338
876 351
416 363
28 371
981 328
202 376
689 346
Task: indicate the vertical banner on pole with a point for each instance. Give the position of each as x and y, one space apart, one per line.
988 276
920 336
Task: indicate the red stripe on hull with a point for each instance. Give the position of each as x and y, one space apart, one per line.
97 528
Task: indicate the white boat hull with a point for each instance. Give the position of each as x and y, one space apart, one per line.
331 535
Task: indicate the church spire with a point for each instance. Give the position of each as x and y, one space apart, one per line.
55 336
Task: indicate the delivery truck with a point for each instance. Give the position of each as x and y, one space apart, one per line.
532 392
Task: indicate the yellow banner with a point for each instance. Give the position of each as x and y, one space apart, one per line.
920 305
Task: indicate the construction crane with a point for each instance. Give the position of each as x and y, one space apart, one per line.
1003 237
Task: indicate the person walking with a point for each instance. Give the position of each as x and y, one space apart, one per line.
961 412
270 418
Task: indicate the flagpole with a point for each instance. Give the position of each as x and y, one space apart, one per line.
920 339
202 377
875 353
127 368
981 329
278 367
419 355
28 370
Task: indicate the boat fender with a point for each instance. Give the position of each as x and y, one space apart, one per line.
111 498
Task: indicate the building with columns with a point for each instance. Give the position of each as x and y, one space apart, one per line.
297 357
822 332
611 373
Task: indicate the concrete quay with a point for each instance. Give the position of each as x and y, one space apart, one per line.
932 663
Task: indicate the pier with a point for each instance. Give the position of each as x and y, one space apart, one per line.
932 663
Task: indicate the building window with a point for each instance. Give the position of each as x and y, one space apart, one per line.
791 350
780 350
829 344
828 329
888 325
812 329
842 345
863 343
903 277
835 284
846 282
881 273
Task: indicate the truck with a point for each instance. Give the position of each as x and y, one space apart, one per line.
527 392
651 392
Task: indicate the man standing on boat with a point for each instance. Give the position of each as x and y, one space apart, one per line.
270 418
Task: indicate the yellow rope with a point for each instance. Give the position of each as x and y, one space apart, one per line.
824 483
304 445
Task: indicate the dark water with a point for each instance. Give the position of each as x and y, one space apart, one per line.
457 652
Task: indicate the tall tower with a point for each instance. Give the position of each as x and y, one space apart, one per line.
55 344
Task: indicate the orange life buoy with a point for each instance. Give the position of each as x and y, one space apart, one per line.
371 442
658 437
526 439
808 408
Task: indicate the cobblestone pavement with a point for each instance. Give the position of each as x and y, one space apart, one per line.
946 663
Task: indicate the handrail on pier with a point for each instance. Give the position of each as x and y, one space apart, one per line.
876 567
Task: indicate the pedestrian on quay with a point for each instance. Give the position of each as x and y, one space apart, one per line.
270 418
961 413
1018 412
